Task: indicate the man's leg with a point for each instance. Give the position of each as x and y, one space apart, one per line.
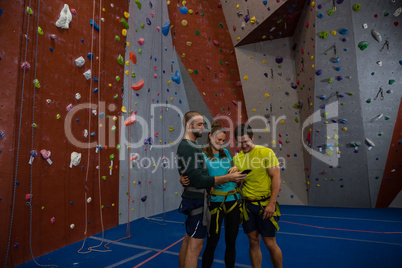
183 251
254 250
194 248
274 251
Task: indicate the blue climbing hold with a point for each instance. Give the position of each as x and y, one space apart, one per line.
344 40
101 115
338 68
148 21
96 90
166 27
400 62
78 120
2 135
96 79
82 40
183 10
93 134
322 97
51 49
336 60
343 31
265 2
339 78
320 16
318 72
1 11
176 77
93 24
180 101
90 56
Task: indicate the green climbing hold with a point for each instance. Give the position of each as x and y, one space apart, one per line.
142 25
296 120
279 21
279 66
223 109
295 106
330 80
202 14
386 14
220 62
138 4
29 11
197 32
104 178
331 12
216 94
323 35
377 177
391 81
363 45
133 74
40 31
120 60
125 23
117 78
387 118
118 147
373 73
220 49
36 83
140 51
368 101
325 114
220 24
117 38
351 93
357 7
195 72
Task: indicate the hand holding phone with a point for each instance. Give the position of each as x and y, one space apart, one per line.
246 171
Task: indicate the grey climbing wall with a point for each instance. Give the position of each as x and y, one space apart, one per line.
378 68
334 180
267 72
149 184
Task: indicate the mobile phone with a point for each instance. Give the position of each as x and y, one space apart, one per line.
246 171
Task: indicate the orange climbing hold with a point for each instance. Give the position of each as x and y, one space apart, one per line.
138 86
130 120
133 57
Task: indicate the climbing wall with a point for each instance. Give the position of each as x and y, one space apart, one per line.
267 70
58 200
149 181
255 21
350 73
304 42
201 39
379 74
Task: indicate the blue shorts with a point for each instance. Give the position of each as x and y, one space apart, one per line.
255 222
194 227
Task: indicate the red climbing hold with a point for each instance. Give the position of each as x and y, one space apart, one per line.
130 120
138 86
133 57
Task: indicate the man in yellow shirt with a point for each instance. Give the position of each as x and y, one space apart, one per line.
260 190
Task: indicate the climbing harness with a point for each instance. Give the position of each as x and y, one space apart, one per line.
262 202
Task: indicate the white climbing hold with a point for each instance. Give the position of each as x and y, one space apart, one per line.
77 96
379 63
65 17
370 143
85 133
80 61
398 12
376 118
376 35
75 159
87 74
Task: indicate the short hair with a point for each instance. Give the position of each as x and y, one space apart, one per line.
242 130
190 115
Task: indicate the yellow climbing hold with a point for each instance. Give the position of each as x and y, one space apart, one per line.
124 32
184 3
344 129
184 23
171 128
238 38
123 109
329 152
273 142
282 122
253 110
266 129
237 6
128 44
110 85
136 103
252 20
312 66
264 61
308 183
333 32
183 55
171 98
160 117
245 77
190 71
264 37
189 44
126 15
103 9
266 95
203 93
126 72
313 4
168 2
168 82
128 63
312 57
190 11
251 57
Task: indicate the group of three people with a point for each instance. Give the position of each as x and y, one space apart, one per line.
211 166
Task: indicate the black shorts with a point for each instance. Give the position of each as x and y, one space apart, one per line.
194 227
255 222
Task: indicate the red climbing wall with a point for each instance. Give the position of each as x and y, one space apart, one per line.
212 66
58 191
391 183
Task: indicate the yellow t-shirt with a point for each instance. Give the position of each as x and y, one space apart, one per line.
258 182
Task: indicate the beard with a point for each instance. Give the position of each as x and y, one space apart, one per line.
197 133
